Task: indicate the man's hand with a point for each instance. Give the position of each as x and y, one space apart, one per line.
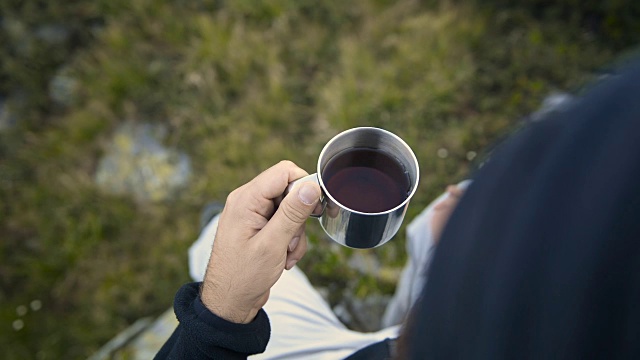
256 240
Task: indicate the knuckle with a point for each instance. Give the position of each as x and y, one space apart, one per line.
236 199
286 162
293 214
233 196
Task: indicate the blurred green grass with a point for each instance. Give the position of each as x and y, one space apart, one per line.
241 85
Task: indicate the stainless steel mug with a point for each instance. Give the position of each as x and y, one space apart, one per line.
353 228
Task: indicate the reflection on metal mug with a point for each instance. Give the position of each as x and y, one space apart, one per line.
367 176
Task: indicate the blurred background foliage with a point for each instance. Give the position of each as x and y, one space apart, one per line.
240 85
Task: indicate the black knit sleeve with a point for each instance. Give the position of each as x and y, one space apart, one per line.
203 335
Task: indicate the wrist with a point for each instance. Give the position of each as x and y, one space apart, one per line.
225 306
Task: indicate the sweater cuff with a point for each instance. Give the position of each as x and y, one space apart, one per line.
212 331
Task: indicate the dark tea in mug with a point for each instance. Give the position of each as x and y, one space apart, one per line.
366 180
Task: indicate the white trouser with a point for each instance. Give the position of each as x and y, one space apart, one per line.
302 323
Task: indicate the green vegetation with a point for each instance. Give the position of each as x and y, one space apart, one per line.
240 85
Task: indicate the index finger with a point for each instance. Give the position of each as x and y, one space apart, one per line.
272 182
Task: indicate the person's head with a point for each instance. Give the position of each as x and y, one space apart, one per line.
541 258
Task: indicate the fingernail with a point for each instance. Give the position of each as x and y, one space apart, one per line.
294 243
308 194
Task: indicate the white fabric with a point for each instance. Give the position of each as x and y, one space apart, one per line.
303 326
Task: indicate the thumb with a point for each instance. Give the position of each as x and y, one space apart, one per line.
293 212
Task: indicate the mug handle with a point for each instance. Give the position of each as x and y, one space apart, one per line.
313 178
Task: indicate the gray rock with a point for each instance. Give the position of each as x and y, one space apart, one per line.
136 163
149 342
342 312
18 35
142 340
63 88
118 343
24 38
362 314
7 117
53 34
365 263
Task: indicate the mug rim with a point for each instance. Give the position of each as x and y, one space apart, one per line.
398 139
